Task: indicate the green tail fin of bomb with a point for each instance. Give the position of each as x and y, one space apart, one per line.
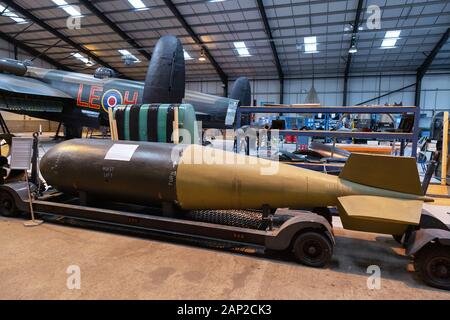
379 214
385 172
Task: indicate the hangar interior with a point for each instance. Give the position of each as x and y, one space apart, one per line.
295 54
370 73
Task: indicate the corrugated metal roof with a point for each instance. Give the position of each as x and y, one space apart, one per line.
219 24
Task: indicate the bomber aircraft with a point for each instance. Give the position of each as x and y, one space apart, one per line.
80 100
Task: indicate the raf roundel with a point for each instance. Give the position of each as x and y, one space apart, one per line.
111 98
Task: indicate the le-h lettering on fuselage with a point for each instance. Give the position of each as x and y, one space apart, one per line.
97 98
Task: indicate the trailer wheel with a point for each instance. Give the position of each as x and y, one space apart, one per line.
7 205
313 249
433 265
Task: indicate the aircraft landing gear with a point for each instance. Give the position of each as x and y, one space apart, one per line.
72 132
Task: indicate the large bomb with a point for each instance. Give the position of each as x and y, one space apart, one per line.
196 177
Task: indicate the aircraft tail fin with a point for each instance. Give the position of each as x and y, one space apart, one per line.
398 174
242 91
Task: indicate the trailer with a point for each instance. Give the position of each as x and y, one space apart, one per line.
429 245
306 235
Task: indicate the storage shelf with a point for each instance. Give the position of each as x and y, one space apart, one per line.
348 134
308 109
412 136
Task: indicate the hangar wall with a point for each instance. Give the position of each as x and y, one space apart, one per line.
435 90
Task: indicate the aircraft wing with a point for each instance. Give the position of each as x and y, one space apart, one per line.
20 94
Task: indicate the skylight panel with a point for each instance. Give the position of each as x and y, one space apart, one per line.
138 4
128 57
82 59
8 13
310 44
390 39
69 9
242 49
187 56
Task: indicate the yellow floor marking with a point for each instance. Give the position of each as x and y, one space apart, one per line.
440 202
438 189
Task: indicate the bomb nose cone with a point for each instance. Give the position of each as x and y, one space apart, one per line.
125 171
52 161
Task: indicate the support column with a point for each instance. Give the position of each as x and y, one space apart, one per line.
282 90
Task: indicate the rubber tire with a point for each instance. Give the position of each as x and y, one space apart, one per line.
422 265
312 240
8 206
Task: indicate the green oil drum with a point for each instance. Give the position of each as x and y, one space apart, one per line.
155 122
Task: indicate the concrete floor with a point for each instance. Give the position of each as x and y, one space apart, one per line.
34 261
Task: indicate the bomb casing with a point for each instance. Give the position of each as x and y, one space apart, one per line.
195 177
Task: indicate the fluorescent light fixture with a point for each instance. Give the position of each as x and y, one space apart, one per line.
131 58
8 13
217 1
71 10
310 44
138 4
82 59
187 56
390 39
242 49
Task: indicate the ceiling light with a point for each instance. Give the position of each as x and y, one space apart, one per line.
138 4
310 44
353 49
71 10
83 59
8 13
242 49
187 56
390 39
202 56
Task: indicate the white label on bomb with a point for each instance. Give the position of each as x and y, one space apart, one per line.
121 152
